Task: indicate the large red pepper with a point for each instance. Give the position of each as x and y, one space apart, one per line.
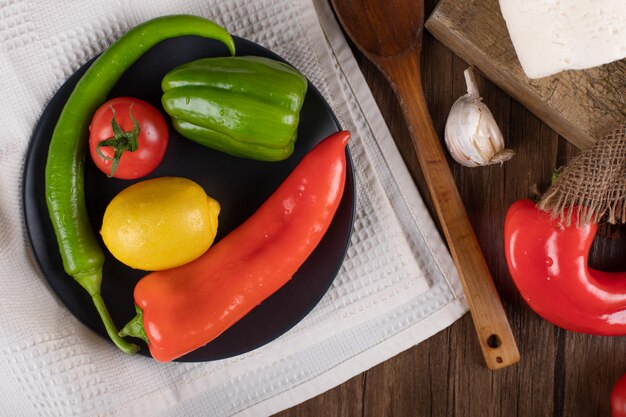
187 307
548 263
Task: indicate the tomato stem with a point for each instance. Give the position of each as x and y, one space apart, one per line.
121 141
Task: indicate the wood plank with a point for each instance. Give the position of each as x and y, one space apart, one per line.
344 400
536 148
582 106
594 363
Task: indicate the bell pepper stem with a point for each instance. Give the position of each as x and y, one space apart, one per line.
122 344
134 328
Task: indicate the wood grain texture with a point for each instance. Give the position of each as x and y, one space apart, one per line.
396 51
582 106
561 374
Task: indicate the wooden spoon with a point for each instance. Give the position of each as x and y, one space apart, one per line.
389 33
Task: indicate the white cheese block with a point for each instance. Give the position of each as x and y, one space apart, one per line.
555 35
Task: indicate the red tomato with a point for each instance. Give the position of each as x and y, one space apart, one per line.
138 146
618 398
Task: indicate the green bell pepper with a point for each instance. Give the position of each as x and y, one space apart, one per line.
246 106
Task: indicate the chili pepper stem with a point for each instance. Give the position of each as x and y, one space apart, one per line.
134 328
111 329
90 280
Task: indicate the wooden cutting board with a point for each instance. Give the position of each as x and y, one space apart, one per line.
582 106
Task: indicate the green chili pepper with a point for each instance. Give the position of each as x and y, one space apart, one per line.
247 106
82 256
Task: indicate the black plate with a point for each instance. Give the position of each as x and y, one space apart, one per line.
240 185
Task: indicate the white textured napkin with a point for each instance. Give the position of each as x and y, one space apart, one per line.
397 285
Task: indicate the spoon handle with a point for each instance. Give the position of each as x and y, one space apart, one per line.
494 333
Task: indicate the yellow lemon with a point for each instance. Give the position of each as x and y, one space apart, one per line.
160 223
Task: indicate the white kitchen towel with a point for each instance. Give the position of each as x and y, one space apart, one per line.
397 285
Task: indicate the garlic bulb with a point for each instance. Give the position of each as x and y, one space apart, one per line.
472 134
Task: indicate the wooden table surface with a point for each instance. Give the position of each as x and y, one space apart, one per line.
560 373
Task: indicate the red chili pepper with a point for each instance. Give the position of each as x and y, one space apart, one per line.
548 263
187 307
618 398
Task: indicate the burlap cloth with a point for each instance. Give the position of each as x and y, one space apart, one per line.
594 182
